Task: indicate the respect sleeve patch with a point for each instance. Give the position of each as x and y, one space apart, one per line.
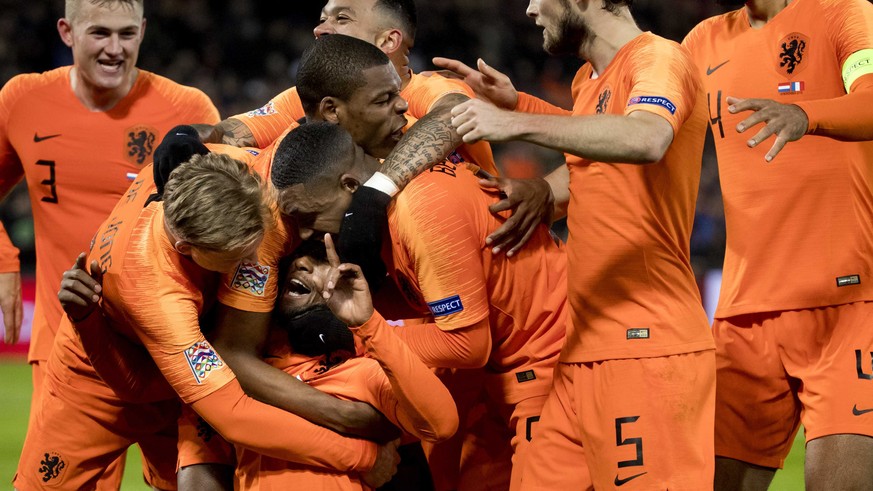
860 63
251 278
653 100
446 306
203 360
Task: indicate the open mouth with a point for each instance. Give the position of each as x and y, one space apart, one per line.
111 65
298 288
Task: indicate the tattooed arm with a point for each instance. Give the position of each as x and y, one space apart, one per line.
429 141
231 131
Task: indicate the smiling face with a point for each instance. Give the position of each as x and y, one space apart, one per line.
374 113
356 18
105 40
306 279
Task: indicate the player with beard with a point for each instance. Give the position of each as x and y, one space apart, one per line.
792 327
639 342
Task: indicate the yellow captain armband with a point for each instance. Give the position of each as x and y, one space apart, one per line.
858 64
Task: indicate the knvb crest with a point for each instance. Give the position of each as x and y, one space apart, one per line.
140 143
792 52
51 466
603 101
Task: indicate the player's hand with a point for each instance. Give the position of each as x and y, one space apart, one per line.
80 291
487 82
531 202
346 290
787 121
11 305
478 120
385 467
180 144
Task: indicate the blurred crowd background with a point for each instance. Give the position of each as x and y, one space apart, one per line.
242 52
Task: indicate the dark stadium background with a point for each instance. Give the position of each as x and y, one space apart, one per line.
242 52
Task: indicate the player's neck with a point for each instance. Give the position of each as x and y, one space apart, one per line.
401 64
608 35
98 99
760 12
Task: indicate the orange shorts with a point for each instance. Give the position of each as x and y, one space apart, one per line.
200 444
79 428
497 413
642 423
778 369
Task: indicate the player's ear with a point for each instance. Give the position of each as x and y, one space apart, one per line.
328 109
182 247
65 29
389 41
349 182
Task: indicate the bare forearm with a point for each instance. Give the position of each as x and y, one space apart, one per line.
601 138
429 141
559 182
231 131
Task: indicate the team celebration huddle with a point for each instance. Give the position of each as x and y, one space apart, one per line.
293 297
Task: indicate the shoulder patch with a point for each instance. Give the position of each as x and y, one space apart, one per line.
203 360
265 110
250 278
655 101
446 306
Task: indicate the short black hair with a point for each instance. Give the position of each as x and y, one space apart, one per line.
613 5
403 11
333 66
310 152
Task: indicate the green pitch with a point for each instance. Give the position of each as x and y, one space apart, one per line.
15 387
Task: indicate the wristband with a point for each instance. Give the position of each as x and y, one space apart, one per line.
383 183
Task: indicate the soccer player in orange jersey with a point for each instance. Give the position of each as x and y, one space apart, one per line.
792 327
639 343
390 376
158 258
78 134
504 314
389 25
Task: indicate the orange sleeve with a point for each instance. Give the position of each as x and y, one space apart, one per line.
468 347
534 105
270 431
11 170
843 118
427 90
254 287
8 253
108 351
443 246
850 27
663 81
416 400
270 120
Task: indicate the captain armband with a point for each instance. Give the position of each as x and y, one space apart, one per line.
860 63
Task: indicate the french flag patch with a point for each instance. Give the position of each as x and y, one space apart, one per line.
790 87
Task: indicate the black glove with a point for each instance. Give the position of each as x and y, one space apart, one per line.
177 147
360 237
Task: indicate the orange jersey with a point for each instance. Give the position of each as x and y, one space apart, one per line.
427 408
800 228
438 225
632 290
254 287
422 92
78 163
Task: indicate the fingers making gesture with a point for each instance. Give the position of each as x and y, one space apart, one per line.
346 290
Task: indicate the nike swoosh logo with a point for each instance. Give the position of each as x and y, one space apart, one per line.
621 482
321 337
710 71
37 138
350 214
858 412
